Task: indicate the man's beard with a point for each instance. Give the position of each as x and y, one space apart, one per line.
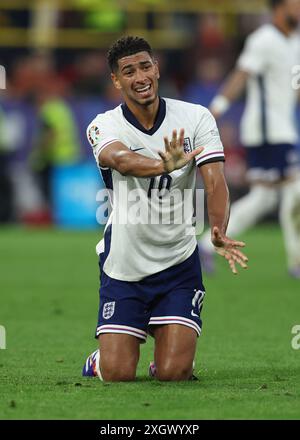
148 102
292 22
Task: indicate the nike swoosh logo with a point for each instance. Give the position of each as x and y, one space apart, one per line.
194 314
137 149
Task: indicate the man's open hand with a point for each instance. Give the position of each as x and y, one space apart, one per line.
174 156
229 249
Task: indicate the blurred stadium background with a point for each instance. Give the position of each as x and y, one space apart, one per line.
57 80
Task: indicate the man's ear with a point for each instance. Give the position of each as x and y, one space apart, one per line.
115 81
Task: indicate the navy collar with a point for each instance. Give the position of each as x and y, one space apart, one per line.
161 113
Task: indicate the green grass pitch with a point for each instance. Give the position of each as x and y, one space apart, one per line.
48 305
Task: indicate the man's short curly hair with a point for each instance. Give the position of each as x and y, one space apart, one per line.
126 46
275 3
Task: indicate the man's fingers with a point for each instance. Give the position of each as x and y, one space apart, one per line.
232 259
174 138
228 242
233 268
239 244
167 143
240 261
195 152
162 155
235 243
231 262
181 137
239 254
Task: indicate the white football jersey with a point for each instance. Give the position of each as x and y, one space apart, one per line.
269 56
141 244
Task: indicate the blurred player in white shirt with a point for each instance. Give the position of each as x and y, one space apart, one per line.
150 273
268 129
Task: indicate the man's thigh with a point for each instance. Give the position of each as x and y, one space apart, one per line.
122 309
182 296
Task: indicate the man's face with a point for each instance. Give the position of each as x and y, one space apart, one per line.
292 13
137 78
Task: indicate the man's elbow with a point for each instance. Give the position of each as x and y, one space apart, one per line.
123 167
121 163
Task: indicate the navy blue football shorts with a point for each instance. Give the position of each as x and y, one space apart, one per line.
272 162
172 296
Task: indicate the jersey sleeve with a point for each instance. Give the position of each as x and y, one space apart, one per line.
100 134
254 56
207 136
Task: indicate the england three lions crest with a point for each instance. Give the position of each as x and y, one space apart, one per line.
187 146
108 310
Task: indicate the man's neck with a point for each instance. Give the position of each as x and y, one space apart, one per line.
282 26
145 114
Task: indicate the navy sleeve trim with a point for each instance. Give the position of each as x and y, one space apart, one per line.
212 160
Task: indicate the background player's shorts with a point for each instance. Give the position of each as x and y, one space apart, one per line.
272 162
172 296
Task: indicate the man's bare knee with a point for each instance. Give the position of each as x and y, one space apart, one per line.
118 375
112 370
173 372
119 356
175 347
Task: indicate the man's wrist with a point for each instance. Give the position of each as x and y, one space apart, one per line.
166 170
161 169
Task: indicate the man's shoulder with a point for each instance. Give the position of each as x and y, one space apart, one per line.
185 107
264 34
107 116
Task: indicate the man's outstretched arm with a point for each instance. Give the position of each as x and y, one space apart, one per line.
118 157
218 206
